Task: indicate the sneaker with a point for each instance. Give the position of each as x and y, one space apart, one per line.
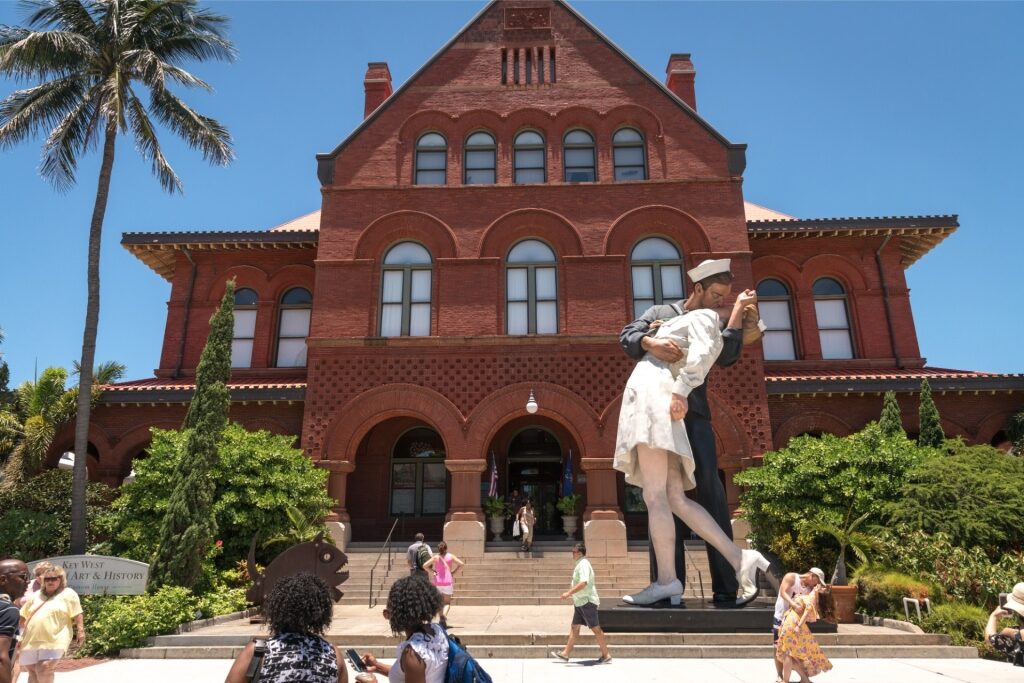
559 655
605 660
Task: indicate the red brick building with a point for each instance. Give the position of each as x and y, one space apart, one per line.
485 233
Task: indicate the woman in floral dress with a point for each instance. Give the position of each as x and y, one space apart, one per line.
797 648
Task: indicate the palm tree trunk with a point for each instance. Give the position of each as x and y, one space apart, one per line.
92 315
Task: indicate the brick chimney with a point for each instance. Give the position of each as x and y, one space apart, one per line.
376 86
679 77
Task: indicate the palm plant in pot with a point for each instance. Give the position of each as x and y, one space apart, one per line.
849 537
497 510
569 507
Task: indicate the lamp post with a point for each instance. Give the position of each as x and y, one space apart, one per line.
531 404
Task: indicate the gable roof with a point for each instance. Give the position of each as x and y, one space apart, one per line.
737 160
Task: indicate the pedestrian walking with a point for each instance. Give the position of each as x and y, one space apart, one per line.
583 593
46 629
527 520
443 566
417 555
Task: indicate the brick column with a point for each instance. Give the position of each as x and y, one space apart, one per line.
604 532
464 531
338 521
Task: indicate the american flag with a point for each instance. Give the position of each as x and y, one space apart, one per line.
493 490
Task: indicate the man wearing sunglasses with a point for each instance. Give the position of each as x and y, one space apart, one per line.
13 580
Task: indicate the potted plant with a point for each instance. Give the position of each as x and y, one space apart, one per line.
849 538
498 511
569 507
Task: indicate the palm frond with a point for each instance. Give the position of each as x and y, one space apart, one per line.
154 72
108 372
149 146
26 113
70 15
45 54
200 132
68 139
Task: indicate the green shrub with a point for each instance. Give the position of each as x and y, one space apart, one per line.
881 591
222 601
115 623
964 624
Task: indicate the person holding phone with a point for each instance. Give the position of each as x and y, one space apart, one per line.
1008 640
422 657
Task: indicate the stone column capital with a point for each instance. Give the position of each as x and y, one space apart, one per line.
466 465
336 466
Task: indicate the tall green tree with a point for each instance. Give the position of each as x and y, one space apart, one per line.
5 375
930 432
891 423
1015 432
189 526
85 60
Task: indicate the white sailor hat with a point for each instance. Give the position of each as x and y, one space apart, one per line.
709 268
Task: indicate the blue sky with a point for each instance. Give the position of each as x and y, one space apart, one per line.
849 109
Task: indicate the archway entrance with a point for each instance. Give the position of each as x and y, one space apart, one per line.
535 462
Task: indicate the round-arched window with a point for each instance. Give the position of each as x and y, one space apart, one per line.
406 280
245 327
657 274
830 308
293 327
418 475
531 289
431 160
775 306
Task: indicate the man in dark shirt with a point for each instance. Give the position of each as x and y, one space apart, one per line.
13 580
636 340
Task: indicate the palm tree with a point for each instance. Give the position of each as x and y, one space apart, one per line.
848 537
87 57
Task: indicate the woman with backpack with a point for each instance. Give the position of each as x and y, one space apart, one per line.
443 566
422 657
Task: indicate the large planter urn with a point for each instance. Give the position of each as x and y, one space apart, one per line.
497 526
845 598
569 526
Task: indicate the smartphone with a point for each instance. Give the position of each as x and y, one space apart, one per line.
357 661
1002 600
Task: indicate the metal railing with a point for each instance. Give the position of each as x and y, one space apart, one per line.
386 546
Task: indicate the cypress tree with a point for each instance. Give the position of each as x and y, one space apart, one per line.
891 422
189 527
930 433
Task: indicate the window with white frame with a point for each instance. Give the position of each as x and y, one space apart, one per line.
293 328
579 159
481 159
531 290
628 155
431 159
833 319
405 291
775 306
528 158
245 328
657 274
418 475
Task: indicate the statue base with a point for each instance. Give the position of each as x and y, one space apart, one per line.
695 616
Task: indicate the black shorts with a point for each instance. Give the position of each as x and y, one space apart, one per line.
776 625
585 615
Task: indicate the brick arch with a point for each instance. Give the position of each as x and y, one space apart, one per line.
400 226
635 116
520 224
289 277
134 441
992 425
779 268
732 441
64 440
365 411
481 119
680 227
837 266
952 429
557 404
249 276
813 421
529 117
579 116
425 121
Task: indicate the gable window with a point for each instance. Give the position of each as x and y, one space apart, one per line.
418 475
628 155
529 158
296 307
481 159
657 270
405 291
531 291
578 156
833 319
775 306
245 328
431 159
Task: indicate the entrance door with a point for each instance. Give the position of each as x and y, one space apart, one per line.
535 469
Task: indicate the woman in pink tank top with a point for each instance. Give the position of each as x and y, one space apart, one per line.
442 567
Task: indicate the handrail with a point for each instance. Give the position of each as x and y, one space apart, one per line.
386 546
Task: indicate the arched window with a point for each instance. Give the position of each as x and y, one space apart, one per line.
296 306
578 155
628 155
418 475
405 291
657 274
833 318
431 159
529 158
530 289
481 159
245 328
773 301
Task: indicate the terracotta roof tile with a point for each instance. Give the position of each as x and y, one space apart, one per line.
756 212
846 374
188 384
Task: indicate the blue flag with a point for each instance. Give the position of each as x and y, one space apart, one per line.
567 476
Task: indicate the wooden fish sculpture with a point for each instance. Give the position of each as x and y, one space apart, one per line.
310 557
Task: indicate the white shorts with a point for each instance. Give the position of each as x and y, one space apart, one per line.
446 590
36 656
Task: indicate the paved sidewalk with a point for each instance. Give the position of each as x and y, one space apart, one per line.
586 671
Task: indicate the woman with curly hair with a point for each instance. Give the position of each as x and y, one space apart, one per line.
423 656
298 612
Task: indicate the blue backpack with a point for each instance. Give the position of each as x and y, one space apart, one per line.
462 668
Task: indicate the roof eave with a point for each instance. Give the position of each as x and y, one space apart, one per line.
909 385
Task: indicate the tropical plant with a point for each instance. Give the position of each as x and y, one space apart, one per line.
569 505
930 432
891 422
304 526
1015 432
188 528
848 536
495 506
85 59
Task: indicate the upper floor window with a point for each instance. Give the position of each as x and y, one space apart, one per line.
529 158
293 328
245 328
833 318
431 159
579 161
481 159
774 303
405 291
657 274
628 155
531 291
